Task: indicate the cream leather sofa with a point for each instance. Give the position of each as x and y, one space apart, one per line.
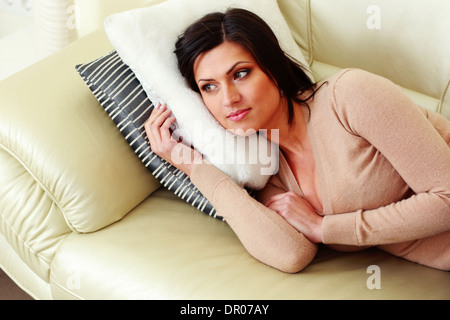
63 160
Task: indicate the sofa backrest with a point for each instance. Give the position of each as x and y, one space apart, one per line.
406 41
65 141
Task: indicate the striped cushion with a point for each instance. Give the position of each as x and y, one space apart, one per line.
121 95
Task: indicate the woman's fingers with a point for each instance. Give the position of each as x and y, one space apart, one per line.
158 131
166 135
158 116
154 123
164 145
278 197
299 213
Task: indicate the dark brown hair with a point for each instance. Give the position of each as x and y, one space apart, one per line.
253 34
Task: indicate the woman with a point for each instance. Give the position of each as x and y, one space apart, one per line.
360 164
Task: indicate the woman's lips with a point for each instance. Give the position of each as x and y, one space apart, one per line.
239 114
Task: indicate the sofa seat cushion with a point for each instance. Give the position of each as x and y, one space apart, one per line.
166 249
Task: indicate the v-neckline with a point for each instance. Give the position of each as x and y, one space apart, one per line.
292 181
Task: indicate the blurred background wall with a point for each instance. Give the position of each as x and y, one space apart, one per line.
30 30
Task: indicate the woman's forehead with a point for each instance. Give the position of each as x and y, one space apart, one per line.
219 60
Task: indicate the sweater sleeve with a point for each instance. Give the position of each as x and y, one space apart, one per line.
377 110
264 234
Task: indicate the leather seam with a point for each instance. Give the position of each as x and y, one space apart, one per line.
23 241
39 182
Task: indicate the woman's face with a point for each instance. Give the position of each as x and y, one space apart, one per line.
236 91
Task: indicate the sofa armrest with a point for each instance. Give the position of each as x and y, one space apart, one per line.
55 128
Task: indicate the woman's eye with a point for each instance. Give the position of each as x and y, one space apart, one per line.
241 74
208 87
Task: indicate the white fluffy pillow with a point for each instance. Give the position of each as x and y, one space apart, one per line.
145 40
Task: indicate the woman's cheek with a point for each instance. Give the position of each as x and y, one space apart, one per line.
213 108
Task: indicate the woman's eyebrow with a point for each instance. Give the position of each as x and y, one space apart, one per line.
228 72
235 65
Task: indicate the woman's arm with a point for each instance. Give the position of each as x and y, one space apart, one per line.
378 111
265 235
414 143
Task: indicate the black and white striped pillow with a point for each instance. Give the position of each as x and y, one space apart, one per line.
121 95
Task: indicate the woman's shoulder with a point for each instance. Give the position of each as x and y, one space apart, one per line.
356 95
348 82
352 76
357 85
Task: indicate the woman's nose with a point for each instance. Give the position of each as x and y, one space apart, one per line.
231 96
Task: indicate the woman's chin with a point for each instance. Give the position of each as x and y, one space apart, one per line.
243 132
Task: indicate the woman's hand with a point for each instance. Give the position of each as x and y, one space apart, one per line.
158 132
299 213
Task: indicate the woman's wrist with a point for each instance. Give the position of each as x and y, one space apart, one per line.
187 162
319 229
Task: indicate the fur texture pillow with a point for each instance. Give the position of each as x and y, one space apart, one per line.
145 40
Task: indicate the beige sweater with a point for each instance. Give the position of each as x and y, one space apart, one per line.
383 168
